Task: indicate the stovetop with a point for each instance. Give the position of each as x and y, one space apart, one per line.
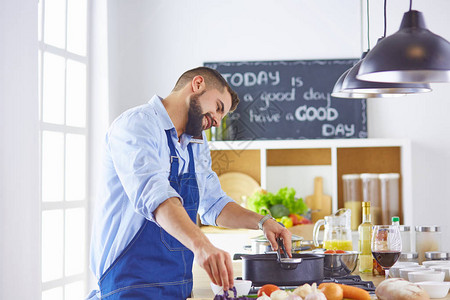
353 280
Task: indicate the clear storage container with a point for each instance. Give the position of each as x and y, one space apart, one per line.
405 233
428 238
371 192
408 257
352 192
389 194
437 255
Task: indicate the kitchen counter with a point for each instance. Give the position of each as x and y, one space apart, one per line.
202 289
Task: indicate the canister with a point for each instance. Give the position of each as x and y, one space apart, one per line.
389 194
408 257
405 233
353 197
371 192
437 255
428 238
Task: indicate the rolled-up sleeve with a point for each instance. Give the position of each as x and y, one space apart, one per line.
134 145
214 198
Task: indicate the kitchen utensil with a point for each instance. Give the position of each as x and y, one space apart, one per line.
340 264
435 289
338 232
283 259
237 184
264 268
261 245
319 203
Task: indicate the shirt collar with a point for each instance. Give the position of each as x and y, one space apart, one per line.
161 112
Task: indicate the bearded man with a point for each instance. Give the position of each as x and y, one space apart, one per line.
157 177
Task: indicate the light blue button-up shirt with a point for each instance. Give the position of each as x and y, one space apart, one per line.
136 168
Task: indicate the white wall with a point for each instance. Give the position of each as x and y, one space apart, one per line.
153 42
19 152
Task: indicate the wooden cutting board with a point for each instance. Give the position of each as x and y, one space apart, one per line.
319 203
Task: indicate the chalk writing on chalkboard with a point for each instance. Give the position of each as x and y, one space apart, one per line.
290 100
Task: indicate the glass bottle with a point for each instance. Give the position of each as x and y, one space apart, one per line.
365 234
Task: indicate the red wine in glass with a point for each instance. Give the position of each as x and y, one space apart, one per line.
386 258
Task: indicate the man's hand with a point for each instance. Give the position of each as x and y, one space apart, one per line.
272 230
217 263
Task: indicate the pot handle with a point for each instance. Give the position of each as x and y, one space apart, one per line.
316 229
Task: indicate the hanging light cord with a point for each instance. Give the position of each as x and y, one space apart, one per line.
368 24
385 22
410 5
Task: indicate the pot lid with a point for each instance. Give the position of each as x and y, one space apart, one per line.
262 238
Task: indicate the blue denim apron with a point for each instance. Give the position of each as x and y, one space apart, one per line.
155 265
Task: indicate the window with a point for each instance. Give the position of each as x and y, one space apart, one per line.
63 62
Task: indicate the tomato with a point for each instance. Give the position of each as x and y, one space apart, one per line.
340 251
268 289
330 251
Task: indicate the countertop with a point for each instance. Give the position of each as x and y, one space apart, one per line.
202 289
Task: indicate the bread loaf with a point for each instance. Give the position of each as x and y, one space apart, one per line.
400 289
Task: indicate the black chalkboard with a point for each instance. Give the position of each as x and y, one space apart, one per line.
290 100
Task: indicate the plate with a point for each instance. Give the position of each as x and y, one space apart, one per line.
237 184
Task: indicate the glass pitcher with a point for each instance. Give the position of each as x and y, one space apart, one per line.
338 231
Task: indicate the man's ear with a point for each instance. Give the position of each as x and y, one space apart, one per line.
198 84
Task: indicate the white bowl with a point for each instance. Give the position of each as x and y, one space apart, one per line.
404 272
442 268
429 263
242 288
420 276
435 289
394 271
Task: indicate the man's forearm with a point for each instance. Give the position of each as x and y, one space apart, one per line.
172 216
235 216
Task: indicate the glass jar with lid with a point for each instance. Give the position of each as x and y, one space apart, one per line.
389 196
428 238
371 192
405 233
408 257
353 197
437 255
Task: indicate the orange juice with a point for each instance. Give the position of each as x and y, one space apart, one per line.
338 245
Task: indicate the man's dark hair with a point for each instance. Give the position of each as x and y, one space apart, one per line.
213 79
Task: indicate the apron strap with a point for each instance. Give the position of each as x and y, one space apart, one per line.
191 159
173 157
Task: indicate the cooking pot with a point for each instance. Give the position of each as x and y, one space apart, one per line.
261 244
265 268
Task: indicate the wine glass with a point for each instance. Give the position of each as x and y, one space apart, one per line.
386 245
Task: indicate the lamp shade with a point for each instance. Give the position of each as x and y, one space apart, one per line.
412 54
382 89
348 86
337 90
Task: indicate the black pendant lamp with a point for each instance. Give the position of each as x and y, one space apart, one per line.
338 93
348 86
412 54
351 84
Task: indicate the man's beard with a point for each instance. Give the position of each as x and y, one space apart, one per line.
194 125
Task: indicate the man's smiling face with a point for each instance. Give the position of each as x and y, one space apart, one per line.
207 109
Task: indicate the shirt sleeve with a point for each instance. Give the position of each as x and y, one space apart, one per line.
134 143
214 198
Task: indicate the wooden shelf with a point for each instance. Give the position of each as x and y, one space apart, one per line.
343 156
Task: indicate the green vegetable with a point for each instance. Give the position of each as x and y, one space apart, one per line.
262 202
279 210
